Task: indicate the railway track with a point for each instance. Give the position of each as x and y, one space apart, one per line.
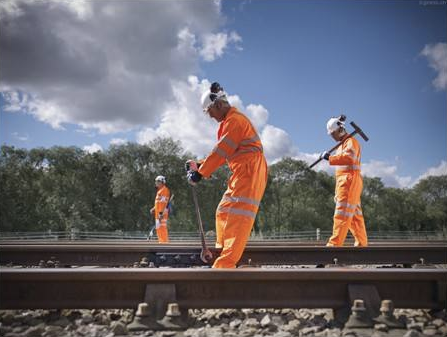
206 288
115 254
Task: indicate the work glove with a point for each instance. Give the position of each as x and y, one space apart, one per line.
191 165
193 177
157 223
325 155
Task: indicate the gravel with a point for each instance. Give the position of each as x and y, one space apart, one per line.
214 323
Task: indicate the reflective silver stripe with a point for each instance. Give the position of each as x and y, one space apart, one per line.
220 152
246 150
347 214
345 204
237 211
352 155
348 167
250 140
358 212
229 142
241 199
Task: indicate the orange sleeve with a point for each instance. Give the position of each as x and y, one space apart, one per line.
348 155
231 135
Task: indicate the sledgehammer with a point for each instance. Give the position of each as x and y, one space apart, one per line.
357 130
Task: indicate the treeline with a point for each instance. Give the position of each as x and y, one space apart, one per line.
62 188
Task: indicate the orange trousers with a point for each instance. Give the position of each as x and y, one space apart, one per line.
162 234
237 210
348 212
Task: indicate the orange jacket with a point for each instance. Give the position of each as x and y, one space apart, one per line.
161 201
237 140
347 157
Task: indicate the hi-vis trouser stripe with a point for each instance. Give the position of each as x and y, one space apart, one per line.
241 199
357 208
237 211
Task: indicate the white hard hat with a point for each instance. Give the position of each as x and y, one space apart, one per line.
209 98
161 179
335 123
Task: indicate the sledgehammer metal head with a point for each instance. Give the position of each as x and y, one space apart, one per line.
359 131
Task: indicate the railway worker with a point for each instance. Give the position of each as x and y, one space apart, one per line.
240 146
348 187
160 209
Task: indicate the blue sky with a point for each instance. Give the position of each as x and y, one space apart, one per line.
297 63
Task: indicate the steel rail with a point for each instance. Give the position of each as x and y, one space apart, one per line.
176 255
209 288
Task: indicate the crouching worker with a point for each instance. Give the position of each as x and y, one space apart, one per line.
160 209
348 187
240 146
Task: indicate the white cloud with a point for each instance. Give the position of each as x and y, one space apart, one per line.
184 121
439 170
20 137
118 141
387 173
92 148
436 55
213 45
103 65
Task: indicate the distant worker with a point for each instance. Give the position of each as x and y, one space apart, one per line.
240 146
348 187
160 209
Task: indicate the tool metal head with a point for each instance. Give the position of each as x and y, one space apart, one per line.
359 131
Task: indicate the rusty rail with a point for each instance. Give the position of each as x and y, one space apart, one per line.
112 254
208 288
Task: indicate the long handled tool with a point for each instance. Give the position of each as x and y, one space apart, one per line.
205 255
357 130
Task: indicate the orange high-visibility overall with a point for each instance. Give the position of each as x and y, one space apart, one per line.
161 201
348 189
239 145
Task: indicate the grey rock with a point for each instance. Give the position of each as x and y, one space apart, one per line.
333 332
214 331
8 318
381 327
4 330
53 331
421 319
87 319
235 323
118 328
252 323
266 321
310 330
438 322
292 327
34 331
430 332
19 329
412 333
282 334
62 322
416 326
443 330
